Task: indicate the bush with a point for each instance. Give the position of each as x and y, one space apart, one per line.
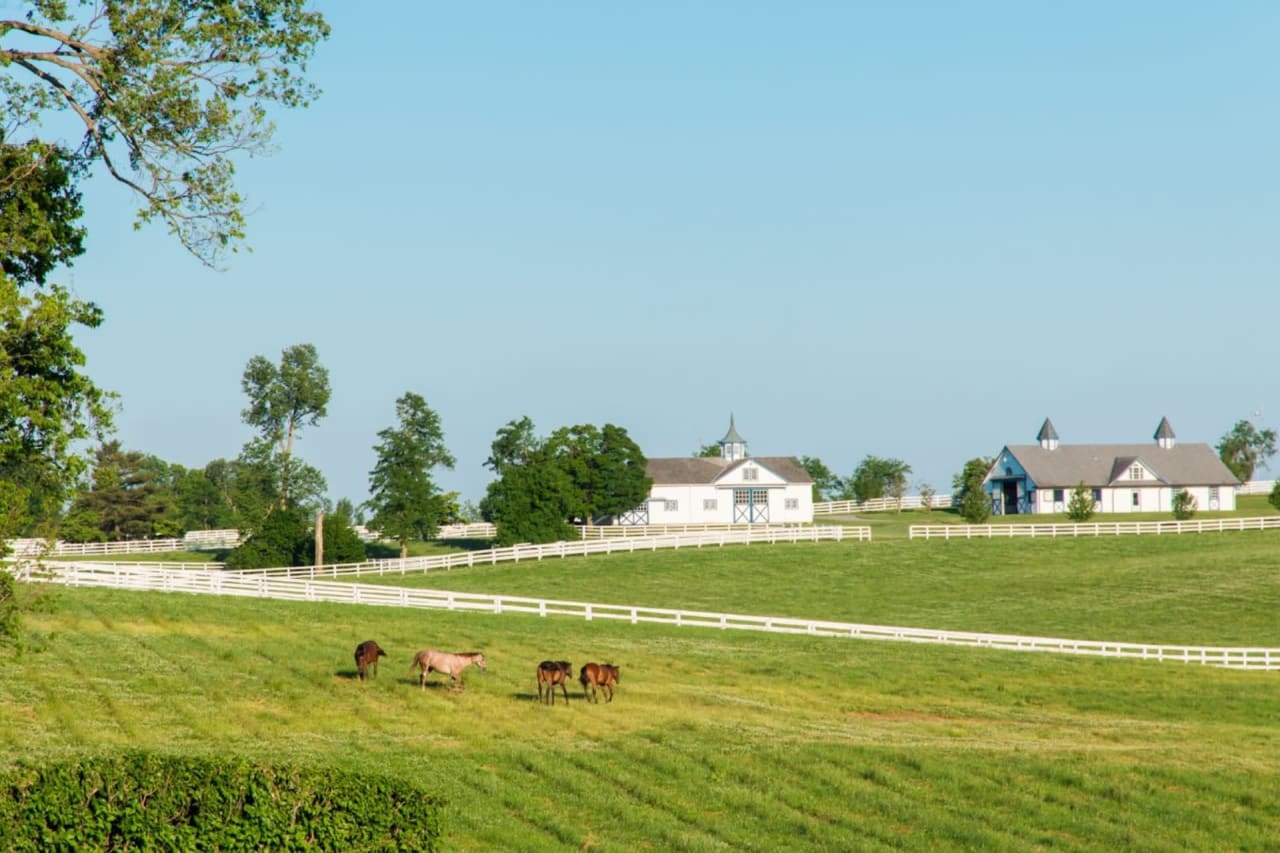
1080 507
283 540
1184 505
142 801
1274 498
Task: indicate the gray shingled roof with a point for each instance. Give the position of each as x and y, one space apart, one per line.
1164 430
1047 432
694 470
1099 465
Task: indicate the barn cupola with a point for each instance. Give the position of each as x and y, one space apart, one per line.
732 447
1164 435
1048 436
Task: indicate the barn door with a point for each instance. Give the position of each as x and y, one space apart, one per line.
750 506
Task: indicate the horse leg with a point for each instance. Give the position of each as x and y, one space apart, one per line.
608 691
565 691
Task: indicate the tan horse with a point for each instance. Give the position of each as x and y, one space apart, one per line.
367 654
551 673
448 663
602 675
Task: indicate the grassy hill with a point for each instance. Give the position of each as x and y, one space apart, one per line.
724 740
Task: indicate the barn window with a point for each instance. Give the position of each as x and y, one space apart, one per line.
750 473
671 506
1058 496
793 503
1097 496
1135 473
1137 499
709 504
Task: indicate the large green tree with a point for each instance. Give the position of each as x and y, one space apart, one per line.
129 496
166 94
49 408
405 501
606 467
876 477
283 399
1246 448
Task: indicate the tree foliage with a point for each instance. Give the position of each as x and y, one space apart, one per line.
130 497
284 538
405 501
606 467
165 94
1080 506
579 473
1184 505
877 478
282 400
1246 448
826 485
968 493
49 409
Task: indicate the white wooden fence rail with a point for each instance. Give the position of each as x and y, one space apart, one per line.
879 505
516 553
1117 528
141 577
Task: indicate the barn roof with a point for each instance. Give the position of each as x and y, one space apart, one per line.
702 470
1099 465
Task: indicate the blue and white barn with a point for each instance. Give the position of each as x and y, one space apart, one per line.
1039 478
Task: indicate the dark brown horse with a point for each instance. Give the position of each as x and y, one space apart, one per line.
551 673
602 675
449 663
367 654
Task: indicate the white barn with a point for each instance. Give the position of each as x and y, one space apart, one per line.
733 488
1039 478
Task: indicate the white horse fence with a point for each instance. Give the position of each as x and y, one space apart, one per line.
1117 528
517 553
199 581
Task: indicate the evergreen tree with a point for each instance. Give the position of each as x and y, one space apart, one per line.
405 502
1080 507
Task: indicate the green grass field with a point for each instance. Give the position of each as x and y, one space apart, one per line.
728 740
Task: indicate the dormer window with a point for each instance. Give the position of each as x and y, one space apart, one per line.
1135 473
751 473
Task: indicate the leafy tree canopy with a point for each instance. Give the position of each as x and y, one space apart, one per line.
969 496
404 499
1246 448
163 93
877 478
826 485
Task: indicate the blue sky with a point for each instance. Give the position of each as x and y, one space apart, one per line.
910 230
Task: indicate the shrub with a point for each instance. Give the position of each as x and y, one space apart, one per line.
1184 505
142 801
1274 498
1080 507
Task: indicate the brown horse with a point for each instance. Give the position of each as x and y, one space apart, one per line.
367 654
551 673
448 663
602 675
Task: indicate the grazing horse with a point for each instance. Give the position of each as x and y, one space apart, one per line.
367 654
551 673
602 675
451 664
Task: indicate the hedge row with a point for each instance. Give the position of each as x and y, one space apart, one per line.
142 801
